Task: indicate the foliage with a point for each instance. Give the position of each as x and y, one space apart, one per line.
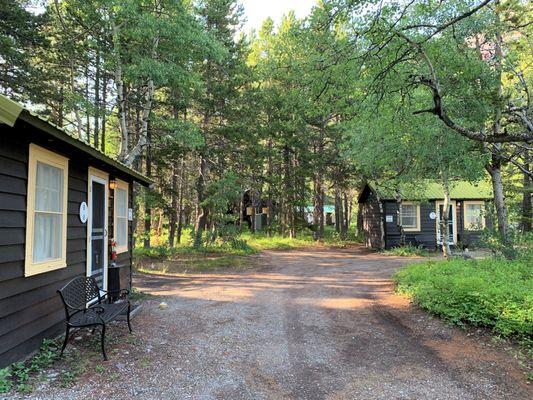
495 293
519 244
291 115
409 250
5 380
19 375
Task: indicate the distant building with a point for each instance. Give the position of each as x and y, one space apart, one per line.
421 215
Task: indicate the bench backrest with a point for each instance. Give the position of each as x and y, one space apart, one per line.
79 292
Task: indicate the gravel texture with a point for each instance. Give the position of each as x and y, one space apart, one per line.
314 324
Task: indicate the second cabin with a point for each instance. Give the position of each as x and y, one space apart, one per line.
421 213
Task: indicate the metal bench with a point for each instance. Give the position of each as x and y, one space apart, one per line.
84 307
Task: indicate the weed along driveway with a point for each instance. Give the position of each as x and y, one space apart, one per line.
313 324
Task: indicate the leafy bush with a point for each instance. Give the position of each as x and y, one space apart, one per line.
18 374
409 250
495 293
5 380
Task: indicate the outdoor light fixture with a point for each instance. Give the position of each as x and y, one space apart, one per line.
112 184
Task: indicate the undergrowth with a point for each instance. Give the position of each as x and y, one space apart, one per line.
409 250
494 293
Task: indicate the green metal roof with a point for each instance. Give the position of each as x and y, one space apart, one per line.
433 190
327 209
11 111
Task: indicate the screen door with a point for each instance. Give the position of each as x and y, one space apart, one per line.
97 251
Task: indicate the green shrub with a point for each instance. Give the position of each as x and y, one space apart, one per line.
5 380
409 250
495 293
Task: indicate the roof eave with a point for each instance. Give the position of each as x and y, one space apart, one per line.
62 136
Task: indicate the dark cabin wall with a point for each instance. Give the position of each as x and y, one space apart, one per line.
371 219
426 235
470 238
124 260
29 306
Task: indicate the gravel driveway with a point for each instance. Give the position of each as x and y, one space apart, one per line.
322 324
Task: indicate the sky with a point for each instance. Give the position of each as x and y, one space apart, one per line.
256 11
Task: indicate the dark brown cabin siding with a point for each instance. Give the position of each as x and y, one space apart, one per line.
29 306
470 238
426 237
125 259
30 309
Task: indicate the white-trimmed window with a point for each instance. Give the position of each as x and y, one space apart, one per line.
121 216
473 215
46 217
410 216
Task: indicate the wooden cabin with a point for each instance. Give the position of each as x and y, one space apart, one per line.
61 203
421 214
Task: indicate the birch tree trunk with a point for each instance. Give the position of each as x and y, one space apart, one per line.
399 222
444 221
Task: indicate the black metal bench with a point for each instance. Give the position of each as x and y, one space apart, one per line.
84 307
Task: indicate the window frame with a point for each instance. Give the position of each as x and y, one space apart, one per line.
417 211
473 202
40 154
125 186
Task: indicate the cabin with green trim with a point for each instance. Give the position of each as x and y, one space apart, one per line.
422 209
63 203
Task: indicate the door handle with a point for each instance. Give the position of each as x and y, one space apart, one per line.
105 232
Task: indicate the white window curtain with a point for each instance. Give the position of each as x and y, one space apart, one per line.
121 220
408 216
473 216
48 216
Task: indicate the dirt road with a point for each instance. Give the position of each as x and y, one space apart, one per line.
308 325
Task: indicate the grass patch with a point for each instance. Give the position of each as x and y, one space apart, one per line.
493 293
192 263
183 257
408 250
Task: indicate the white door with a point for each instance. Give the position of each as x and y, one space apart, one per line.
452 221
97 227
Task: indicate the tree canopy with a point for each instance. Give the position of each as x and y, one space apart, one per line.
292 115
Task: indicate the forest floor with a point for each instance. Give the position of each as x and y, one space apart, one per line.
304 324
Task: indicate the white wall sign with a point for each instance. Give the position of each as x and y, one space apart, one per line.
389 218
83 212
432 215
130 214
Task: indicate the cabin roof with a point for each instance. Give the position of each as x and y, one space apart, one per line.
327 208
459 190
11 111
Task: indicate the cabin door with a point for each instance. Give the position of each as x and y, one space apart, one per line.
97 227
452 223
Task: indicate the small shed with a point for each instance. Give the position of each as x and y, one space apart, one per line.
421 213
62 204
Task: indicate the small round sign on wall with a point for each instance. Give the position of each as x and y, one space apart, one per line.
432 215
83 212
